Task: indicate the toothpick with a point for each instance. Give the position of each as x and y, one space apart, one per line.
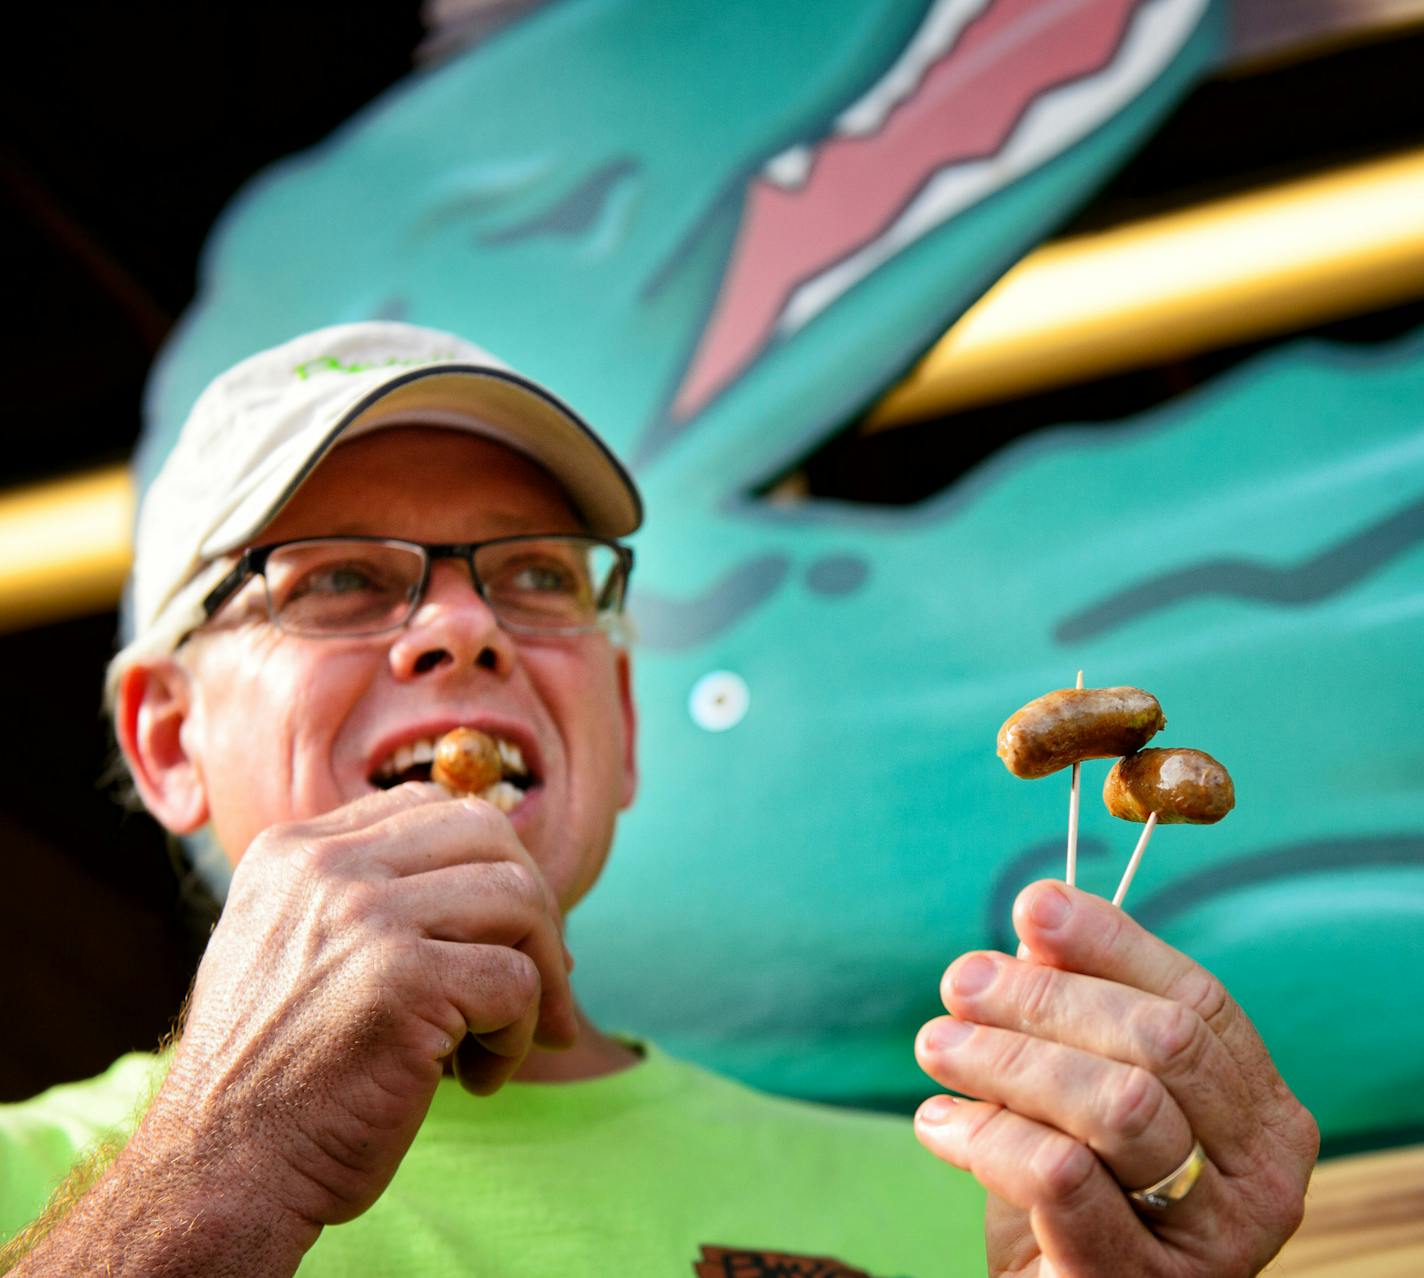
1071 877
1136 858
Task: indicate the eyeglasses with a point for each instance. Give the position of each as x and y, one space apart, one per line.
330 586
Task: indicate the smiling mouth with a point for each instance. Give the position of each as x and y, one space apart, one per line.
413 761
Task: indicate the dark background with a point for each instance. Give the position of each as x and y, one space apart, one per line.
127 130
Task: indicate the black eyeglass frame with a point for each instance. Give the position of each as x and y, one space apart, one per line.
253 563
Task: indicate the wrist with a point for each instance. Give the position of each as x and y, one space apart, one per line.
174 1203
226 1211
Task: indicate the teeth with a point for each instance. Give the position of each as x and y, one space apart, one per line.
936 36
511 757
407 756
789 168
1055 119
504 796
423 751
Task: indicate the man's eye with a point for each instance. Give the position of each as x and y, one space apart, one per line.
338 579
543 578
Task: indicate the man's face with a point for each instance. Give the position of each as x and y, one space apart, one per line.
282 727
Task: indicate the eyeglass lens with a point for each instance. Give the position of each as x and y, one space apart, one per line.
334 586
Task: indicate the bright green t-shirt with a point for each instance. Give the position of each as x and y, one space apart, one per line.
663 1168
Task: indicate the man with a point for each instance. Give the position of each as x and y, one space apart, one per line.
375 534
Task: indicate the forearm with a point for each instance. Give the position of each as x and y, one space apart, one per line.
154 1209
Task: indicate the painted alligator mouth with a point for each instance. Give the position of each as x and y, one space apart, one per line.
984 92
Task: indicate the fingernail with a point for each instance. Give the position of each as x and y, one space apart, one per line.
974 975
946 1034
936 1110
1050 909
1023 952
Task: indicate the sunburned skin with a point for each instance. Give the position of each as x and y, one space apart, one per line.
1073 724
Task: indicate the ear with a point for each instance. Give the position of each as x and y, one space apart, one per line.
630 726
154 706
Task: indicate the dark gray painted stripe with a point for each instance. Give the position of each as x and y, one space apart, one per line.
1328 573
576 212
1290 861
674 625
1046 858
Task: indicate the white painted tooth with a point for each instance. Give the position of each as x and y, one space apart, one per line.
936 35
1055 120
789 168
422 751
400 761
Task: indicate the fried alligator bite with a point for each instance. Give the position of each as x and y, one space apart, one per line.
1072 724
1180 786
466 761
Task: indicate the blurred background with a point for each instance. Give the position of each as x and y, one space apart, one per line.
1147 400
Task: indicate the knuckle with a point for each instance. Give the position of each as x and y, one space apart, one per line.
985 1128
1107 927
1133 1102
1170 1037
392 979
289 843
1278 1202
1038 990
395 961
318 857
1291 1211
1012 1054
359 904
1199 991
523 884
1298 1131
1061 1168
520 976
481 812
1307 1136
508 985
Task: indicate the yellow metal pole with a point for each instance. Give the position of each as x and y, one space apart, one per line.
1250 266
64 547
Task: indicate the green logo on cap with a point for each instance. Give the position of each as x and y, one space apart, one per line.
331 364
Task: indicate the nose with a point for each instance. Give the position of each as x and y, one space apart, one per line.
453 630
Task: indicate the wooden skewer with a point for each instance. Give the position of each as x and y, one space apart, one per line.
1136 858
1071 877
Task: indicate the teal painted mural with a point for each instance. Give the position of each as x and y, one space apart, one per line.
723 230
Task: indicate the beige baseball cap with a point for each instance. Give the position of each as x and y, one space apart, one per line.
260 429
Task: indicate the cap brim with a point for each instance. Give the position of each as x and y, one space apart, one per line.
490 402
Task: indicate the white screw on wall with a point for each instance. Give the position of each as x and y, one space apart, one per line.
719 701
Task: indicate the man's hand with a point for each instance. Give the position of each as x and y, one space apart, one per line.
1097 1060
357 952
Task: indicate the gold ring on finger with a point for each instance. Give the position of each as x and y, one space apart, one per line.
1174 1186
